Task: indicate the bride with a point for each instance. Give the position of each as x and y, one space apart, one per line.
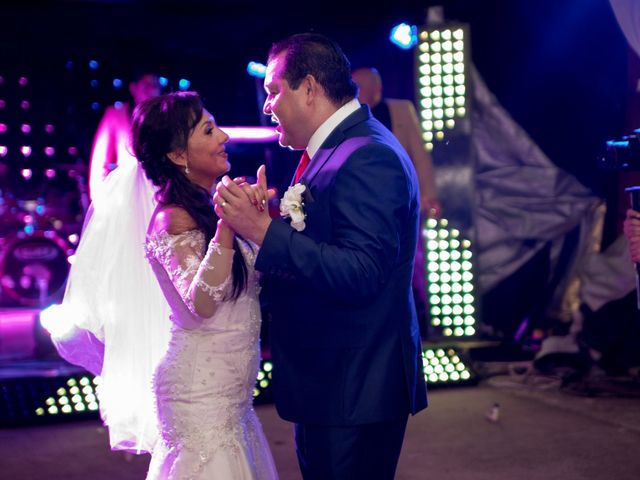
180 389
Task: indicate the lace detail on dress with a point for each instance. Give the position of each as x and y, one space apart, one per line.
217 292
181 256
163 246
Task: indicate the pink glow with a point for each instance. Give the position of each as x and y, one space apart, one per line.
49 128
26 173
73 151
251 134
16 331
2 104
24 104
3 150
49 151
25 128
50 173
3 128
23 81
26 150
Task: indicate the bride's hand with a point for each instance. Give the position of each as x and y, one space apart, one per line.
224 234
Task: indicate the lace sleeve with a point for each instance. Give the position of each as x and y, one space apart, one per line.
201 282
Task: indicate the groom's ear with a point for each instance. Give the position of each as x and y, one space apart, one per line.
311 87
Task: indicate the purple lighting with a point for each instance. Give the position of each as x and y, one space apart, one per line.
25 105
3 128
251 134
2 104
72 151
25 128
23 81
50 173
49 128
16 330
3 150
26 173
26 150
49 151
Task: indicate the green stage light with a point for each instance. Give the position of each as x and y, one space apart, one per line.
34 400
441 65
449 287
444 366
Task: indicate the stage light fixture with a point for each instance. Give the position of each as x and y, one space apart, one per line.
444 365
251 134
449 274
58 320
184 84
46 399
404 36
262 388
256 69
441 65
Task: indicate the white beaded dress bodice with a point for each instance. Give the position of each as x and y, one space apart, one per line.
204 384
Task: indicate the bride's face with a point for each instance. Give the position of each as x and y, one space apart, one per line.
206 155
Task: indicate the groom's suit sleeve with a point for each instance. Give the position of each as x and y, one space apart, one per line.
369 203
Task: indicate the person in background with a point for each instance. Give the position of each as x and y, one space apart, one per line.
112 142
631 228
401 118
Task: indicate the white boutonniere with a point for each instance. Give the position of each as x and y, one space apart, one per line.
291 206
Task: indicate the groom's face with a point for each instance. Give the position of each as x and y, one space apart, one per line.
287 107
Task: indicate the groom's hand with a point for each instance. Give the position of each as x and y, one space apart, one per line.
243 206
259 194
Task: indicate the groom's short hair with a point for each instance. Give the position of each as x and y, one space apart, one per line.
317 55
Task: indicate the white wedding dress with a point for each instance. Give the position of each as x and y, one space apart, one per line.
204 384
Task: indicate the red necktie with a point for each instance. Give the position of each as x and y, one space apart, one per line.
304 161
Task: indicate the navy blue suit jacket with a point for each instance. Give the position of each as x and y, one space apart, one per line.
345 341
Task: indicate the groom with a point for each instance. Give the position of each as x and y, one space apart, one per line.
345 341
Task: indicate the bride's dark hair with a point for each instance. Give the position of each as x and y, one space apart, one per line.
162 125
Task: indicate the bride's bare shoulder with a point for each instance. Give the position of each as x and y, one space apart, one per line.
173 220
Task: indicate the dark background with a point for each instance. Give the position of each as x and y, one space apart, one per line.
560 67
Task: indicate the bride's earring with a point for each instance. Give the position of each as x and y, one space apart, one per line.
186 170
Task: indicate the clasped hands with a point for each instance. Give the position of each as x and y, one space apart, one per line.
244 206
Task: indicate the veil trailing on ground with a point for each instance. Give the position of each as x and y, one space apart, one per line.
120 316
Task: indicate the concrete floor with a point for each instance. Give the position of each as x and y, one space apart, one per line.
540 433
